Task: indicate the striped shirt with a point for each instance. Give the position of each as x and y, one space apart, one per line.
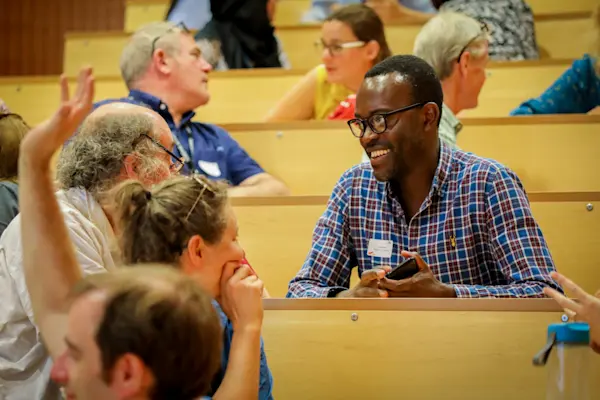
475 230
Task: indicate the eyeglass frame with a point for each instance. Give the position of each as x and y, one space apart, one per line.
205 187
320 45
179 161
365 121
180 25
485 30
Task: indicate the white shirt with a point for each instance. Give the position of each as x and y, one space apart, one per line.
24 362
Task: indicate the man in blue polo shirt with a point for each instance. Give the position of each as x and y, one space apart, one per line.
164 70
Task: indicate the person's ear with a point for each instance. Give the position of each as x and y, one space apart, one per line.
372 50
162 61
130 166
196 248
431 113
463 64
130 377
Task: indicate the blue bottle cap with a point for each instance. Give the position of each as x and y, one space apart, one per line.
571 332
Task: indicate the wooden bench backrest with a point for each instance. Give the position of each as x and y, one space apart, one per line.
277 236
410 349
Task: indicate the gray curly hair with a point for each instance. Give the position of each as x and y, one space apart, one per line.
93 160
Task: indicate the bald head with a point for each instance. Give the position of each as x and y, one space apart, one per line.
94 159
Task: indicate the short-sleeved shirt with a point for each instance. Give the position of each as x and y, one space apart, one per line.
208 149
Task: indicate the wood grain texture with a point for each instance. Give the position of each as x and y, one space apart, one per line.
32 31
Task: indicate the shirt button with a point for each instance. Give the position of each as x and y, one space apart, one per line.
162 106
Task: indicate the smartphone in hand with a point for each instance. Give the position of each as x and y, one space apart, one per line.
405 270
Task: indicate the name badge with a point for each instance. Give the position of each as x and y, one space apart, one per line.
211 168
380 248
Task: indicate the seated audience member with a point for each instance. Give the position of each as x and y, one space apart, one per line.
584 308
116 142
241 294
353 40
465 219
12 131
456 46
164 70
321 9
241 35
102 330
188 223
577 91
510 22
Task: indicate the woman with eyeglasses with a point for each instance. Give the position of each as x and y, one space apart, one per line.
188 222
352 41
12 131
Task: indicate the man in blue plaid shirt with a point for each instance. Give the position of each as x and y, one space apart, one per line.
465 219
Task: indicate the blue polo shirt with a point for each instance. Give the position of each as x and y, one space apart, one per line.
211 150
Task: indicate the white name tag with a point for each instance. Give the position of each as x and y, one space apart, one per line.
380 248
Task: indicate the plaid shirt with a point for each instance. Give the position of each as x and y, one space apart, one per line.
475 230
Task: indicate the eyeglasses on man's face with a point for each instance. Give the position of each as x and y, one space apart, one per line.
376 122
176 162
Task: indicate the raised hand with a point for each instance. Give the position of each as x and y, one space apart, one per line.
586 308
45 139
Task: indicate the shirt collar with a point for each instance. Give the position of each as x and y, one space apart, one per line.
442 172
451 119
157 105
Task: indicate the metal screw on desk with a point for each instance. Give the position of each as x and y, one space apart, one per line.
279 134
354 316
589 207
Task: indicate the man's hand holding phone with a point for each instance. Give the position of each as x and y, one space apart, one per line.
368 285
421 284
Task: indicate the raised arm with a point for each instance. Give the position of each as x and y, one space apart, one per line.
49 261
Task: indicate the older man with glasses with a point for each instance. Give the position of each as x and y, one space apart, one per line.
465 220
456 46
164 69
117 141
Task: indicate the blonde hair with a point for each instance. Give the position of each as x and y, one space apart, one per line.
165 319
137 54
12 131
157 224
442 38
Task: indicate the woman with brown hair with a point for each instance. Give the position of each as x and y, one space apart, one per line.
12 131
188 222
352 41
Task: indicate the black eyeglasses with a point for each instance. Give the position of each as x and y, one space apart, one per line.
377 122
176 164
485 30
180 25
